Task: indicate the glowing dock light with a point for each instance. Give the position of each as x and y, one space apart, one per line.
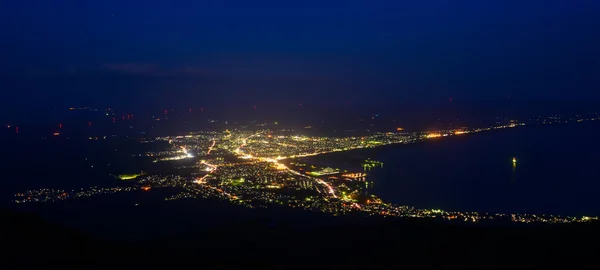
514 160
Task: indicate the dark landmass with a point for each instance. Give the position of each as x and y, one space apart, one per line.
269 242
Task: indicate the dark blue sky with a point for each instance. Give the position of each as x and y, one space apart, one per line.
194 53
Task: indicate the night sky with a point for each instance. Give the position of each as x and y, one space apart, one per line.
198 53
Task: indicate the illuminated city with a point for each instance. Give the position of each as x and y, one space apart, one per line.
260 168
272 134
299 134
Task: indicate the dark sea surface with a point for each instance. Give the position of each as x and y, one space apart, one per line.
557 171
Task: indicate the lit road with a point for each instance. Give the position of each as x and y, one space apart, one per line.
239 149
212 169
211 147
328 186
211 166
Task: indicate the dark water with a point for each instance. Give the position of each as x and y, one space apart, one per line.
556 172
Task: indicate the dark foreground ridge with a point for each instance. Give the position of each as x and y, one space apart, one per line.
353 243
